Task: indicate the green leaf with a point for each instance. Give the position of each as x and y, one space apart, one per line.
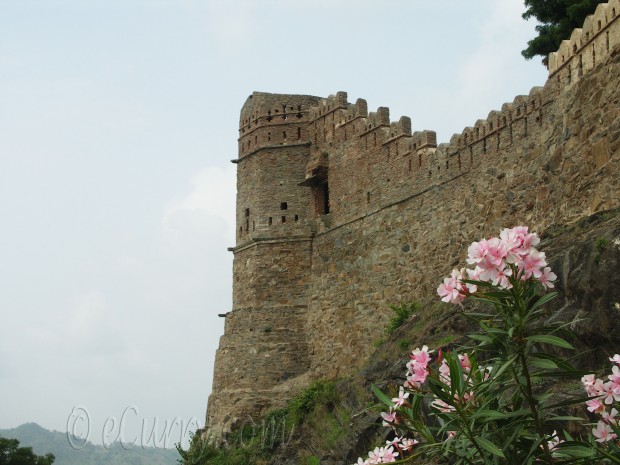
574 450
560 362
548 339
546 364
561 374
543 300
572 401
542 397
566 418
504 367
490 447
481 337
493 414
382 397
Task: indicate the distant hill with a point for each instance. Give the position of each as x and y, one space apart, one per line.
43 441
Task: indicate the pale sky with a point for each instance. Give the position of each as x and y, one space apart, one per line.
118 119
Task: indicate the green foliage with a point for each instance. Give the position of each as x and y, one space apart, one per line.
558 18
600 245
446 340
203 452
254 444
404 344
12 454
500 411
300 406
402 313
312 460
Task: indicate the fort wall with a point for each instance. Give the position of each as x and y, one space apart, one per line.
341 212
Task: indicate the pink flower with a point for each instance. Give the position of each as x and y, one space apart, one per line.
452 290
615 359
401 399
407 443
477 251
587 380
595 405
546 278
473 275
487 253
518 242
603 432
610 393
442 406
532 263
496 252
554 441
396 442
421 356
498 276
419 375
389 419
376 456
615 375
444 372
382 455
411 384
465 362
610 417
389 455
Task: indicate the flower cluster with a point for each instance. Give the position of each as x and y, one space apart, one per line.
417 373
602 395
389 452
498 261
417 367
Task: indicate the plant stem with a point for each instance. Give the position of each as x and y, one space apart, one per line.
533 404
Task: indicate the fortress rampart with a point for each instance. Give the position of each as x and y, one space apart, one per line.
341 212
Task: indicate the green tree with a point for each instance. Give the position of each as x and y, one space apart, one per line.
12 454
557 20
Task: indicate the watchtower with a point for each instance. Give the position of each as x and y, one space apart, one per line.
263 348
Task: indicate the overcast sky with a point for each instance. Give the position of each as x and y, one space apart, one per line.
118 119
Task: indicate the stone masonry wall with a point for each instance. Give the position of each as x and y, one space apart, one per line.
341 212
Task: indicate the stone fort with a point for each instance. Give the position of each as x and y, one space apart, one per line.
342 211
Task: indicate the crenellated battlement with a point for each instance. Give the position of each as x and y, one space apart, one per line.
342 212
587 46
272 120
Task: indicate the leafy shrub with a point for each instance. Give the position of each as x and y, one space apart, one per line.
402 313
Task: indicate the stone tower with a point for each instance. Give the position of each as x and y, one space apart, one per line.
264 348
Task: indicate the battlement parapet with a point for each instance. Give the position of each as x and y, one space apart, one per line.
587 46
423 139
269 120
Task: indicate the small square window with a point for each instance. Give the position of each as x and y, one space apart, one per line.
284 206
